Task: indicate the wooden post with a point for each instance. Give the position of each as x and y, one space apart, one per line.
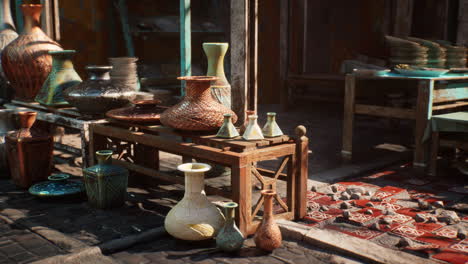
185 41
123 14
242 195
462 34
284 53
348 117
423 115
302 171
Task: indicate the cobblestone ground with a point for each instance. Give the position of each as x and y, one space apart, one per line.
173 251
23 246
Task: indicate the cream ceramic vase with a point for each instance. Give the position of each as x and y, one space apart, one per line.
253 131
194 217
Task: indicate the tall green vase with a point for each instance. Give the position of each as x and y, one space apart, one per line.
61 77
221 89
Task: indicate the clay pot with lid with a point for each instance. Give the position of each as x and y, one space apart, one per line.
97 95
26 61
198 110
22 146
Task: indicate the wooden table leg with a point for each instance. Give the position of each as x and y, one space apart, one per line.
423 115
242 194
434 153
302 172
348 117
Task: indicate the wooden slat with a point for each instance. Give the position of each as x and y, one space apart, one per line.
450 94
272 152
271 174
384 111
348 116
449 106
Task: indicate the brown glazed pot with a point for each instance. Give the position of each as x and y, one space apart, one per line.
29 152
198 111
268 235
25 60
143 112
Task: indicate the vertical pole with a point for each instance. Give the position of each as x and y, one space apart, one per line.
46 18
284 53
302 171
122 10
254 60
19 15
185 42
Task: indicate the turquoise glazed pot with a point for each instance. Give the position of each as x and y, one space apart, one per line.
106 184
229 238
61 77
57 186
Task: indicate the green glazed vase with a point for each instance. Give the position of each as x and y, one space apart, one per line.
106 184
229 238
220 89
61 77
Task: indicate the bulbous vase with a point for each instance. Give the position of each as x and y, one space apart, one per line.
268 235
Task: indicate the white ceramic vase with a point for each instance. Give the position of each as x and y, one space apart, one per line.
194 217
253 130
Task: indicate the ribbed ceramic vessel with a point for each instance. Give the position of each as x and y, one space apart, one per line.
198 110
124 72
26 61
6 125
229 238
97 95
105 183
220 89
29 152
268 235
61 77
194 217
7 35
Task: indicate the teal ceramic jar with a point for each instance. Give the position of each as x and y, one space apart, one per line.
229 238
106 184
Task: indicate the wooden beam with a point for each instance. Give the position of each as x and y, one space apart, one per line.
393 112
185 41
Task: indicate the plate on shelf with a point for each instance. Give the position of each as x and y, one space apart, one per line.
421 72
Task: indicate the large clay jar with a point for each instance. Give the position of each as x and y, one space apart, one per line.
7 35
26 61
6 116
97 95
194 217
198 111
268 235
105 183
220 89
62 76
29 152
229 238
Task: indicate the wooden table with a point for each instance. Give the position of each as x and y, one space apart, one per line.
66 117
137 148
447 93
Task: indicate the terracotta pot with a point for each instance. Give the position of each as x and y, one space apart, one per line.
62 76
29 152
220 89
7 35
97 95
143 111
194 217
25 60
229 238
268 235
198 111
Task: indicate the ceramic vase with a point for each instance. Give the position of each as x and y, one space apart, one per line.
246 121
194 217
271 128
6 116
7 35
229 238
61 77
105 183
29 152
97 95
198 111
227 130
124 73
26 61
142 112
253 130
268 235
220 89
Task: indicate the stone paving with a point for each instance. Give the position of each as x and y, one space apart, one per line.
23 246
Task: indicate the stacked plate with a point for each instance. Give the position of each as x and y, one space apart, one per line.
436 54
456 55
124 72
404 51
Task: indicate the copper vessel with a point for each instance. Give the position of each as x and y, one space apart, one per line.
29 152
198 111
268 235
25 60
143 112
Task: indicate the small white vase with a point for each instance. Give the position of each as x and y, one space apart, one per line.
271 128
194 217
253 131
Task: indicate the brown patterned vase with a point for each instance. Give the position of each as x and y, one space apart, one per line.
198 111
268 235
25 60
29 152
